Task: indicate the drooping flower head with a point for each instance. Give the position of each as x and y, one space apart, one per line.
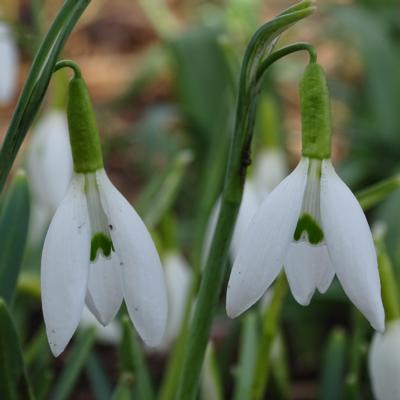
97 249
311 224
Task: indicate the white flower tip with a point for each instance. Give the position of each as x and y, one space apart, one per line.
378 323
57 342
235 304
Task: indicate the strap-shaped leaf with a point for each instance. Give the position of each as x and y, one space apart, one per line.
14 220
37 82
14 383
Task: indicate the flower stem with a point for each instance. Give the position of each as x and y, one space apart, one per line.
37 82
389 289
261 43
372 195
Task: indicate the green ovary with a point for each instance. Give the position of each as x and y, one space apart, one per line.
306 223
100 242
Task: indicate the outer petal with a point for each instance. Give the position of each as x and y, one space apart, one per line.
8 63
384 363
141 272
65 262
306 266
266 242
350 246
104 295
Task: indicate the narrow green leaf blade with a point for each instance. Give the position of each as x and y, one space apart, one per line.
14 383
74 365
14 220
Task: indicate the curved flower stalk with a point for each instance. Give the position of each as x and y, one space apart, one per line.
8 64
97 249
311 224
384 363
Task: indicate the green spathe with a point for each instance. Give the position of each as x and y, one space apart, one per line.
315 113
83 132
100 242
307 224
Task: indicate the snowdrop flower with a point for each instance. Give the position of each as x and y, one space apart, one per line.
248 207
8 64
270 167
49 167
97 249
384 363
311 224
49 159
178 277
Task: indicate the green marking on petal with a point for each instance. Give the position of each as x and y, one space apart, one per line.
100 242
308 224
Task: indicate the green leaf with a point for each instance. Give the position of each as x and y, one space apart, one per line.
333 367
74 365
99 380
247 357
159 196
133 362
14 220
37 82
14 383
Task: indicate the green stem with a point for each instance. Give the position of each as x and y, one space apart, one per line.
389 289
270 328
37 82
69 64
216 267
374 194
284 51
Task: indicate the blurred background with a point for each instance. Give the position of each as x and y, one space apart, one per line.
163 77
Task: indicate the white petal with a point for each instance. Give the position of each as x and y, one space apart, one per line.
384 363
248 209
8 64
350 246
270 168
49 159
64 271
306 266
178 279
141 272
104 296
264 247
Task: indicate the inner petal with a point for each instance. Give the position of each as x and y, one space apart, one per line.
309 226
101 241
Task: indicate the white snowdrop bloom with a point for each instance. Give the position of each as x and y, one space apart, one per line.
248 208
311 224
270 167
8 64
97 249
178 277
49 159
384 363
110 334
